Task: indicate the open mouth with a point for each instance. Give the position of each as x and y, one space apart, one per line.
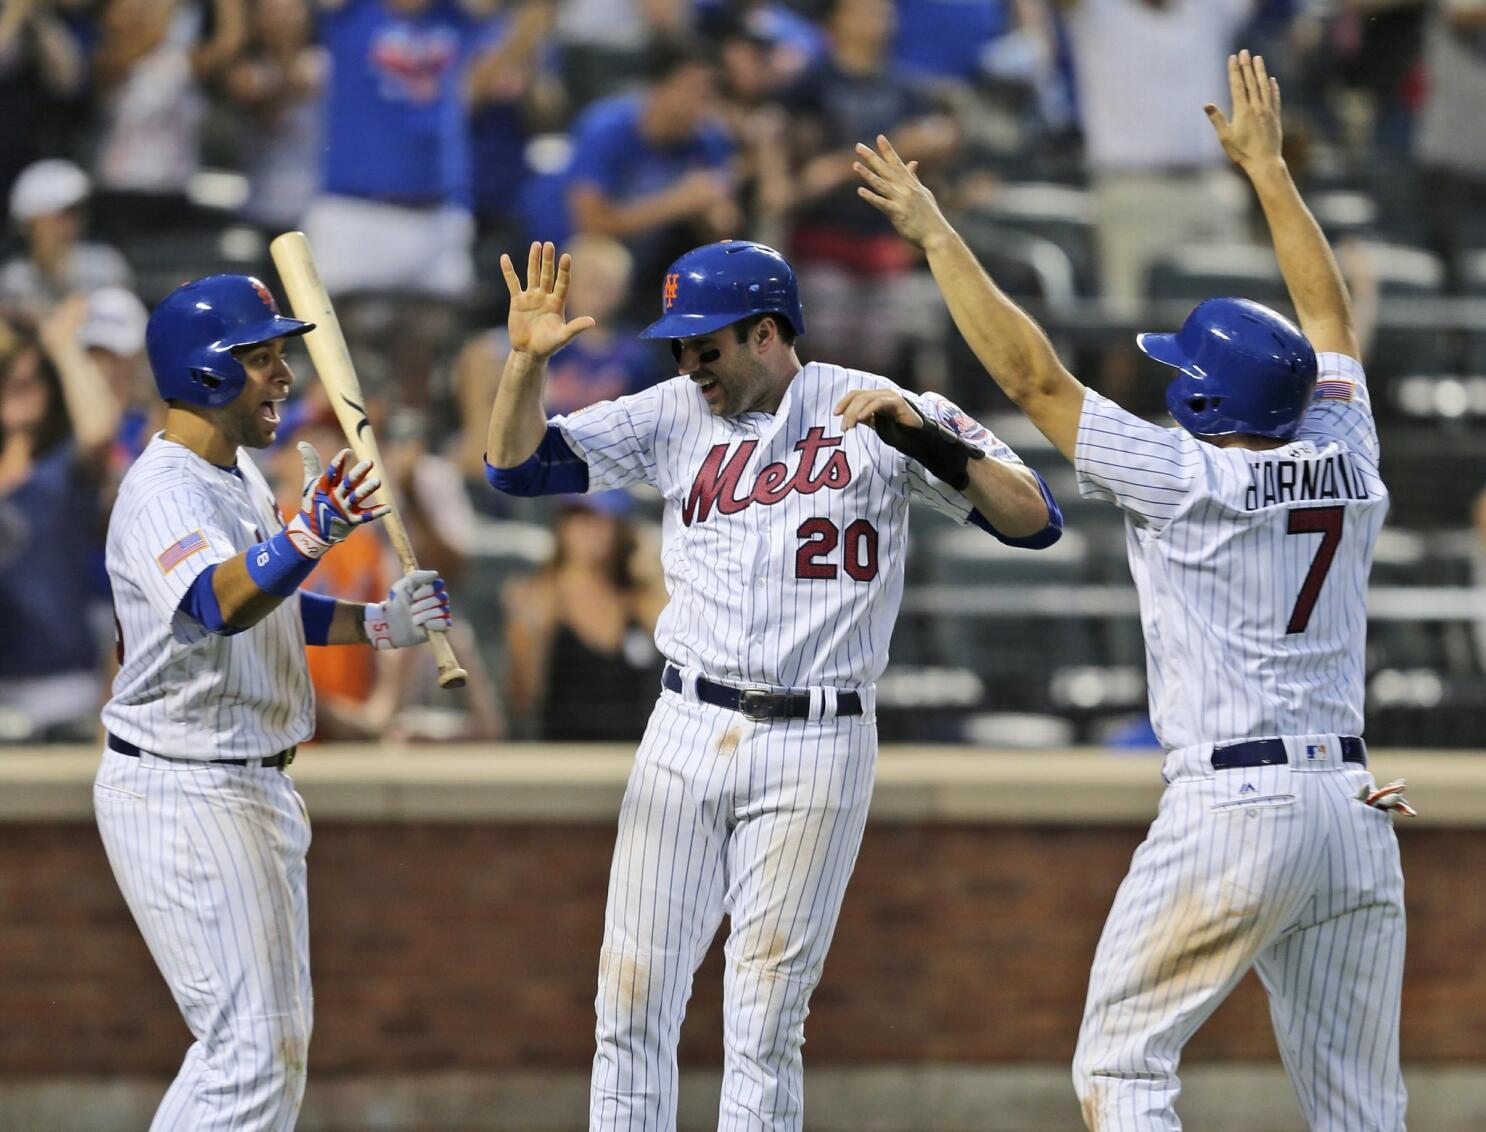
709 387
268 413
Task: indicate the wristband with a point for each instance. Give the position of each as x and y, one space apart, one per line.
276 567
316 612
938 449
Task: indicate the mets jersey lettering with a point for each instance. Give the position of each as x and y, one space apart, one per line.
1252 566
717 480
783 541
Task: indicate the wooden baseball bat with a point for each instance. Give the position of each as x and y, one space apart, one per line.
327 345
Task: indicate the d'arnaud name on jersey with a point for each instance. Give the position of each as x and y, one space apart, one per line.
1273 482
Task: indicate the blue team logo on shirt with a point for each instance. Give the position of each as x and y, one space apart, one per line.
411 62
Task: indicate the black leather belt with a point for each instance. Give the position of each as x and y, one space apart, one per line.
282 759
1271 752
758 704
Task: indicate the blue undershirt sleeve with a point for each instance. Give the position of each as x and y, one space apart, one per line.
200 603
553 469
316 612
1043 538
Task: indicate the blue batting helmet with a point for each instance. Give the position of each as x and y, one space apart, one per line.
1244 369
717 285
192 333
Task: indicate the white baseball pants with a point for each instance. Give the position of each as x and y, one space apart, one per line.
1281 868
761 821
211 861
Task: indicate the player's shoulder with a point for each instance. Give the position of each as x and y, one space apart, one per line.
827 379
163 473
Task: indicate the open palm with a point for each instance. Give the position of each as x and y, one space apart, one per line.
536 324
1254 134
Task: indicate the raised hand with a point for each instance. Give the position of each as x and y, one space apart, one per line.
1255 133
893 188
334 502
536 325
417 605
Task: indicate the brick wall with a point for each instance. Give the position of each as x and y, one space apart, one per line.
473 947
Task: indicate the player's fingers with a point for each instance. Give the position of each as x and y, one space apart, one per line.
335 472
1274 95
877 202
1235 84
871 178
576 327
508 269
871 158
533 264
364 492
358 473
913 167
846 409
549 265
417 579
429 602
1215 116
887 150
372 514
1246 68
564 273
311 461
1261 82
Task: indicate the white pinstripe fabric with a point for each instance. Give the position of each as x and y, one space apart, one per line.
761 821
1218 581
1281 868
210 858
737 611
211 861
178 690
1296 877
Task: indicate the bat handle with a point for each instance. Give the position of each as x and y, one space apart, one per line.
450 674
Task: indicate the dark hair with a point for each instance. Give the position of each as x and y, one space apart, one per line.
667 56
782 326
616 569
56 425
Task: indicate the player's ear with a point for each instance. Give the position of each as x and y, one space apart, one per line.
763 331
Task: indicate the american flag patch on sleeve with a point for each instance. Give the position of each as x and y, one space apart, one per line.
1335 389
178 551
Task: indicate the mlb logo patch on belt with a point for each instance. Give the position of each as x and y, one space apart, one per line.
1315 751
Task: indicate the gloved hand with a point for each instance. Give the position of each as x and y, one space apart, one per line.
416 605
333 503
1389 797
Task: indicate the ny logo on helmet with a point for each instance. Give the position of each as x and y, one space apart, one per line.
673 282
263 294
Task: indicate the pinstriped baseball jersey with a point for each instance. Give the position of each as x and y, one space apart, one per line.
783 541
1251 566
179 690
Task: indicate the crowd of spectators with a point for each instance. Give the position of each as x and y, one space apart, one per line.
143 142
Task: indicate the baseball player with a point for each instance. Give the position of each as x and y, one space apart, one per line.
1250 530
204 830
783 546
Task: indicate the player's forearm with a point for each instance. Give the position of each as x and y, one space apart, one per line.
517 421
1306 261
1008 496
241 602
348 624
1011 346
